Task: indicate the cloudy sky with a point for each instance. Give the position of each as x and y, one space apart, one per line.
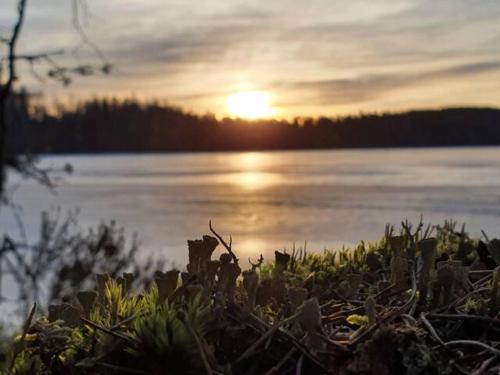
314 57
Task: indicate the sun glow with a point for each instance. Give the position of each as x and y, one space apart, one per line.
250 105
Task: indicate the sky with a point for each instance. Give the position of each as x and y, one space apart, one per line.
310 58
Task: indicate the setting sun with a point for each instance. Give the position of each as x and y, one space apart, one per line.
250 104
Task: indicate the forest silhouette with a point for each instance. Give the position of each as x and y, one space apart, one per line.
120 126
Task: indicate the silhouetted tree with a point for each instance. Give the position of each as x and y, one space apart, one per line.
110 125
6 87
62 74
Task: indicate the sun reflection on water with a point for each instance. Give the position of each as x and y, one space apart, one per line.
253 247
253 170
256 180
250 161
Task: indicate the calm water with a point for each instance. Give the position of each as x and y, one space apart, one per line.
269 200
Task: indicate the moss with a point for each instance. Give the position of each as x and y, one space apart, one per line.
349 311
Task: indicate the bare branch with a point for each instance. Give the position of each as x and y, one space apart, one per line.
31 59
57 72
5 90
77 5
38 56
258 264
26 167
224 243
34 73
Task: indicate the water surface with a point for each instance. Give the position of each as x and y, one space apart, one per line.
269 200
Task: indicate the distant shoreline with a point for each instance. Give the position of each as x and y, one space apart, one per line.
110 127
125 153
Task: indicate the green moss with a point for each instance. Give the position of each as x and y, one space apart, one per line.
198 324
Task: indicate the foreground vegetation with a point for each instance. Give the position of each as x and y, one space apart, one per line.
423 300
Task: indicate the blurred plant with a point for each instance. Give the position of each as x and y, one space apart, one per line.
66 259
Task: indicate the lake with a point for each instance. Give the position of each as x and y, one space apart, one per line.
271 200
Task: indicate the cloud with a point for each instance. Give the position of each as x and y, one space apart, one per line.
203 45
448 29
320 51
369 87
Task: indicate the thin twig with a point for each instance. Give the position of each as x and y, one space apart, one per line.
393 314
431 329
473 343
83 35
298 370
264 337
224 243
283 360
299 345
478 318
201 350
37 56
104 329
484 366
409 318
26 327
461 299
127 320
328 340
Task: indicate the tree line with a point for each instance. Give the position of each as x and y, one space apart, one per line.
116 126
